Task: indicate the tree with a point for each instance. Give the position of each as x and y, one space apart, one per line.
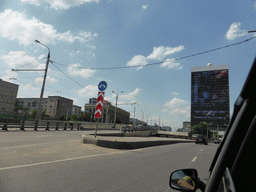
33 114
43 114
200 128
26 110
84 117
74 117
16 109
62 117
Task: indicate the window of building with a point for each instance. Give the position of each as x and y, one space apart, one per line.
34 103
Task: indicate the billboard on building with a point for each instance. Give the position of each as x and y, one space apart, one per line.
210 95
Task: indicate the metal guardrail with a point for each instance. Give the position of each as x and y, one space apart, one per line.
28 124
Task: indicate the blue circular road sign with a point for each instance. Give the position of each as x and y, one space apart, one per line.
102 86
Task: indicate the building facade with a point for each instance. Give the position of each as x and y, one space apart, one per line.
31 104
108 112
210 96
54 106
57 106
137 122
76 110
8 95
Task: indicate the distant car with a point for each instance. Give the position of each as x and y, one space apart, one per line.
201 139
217 140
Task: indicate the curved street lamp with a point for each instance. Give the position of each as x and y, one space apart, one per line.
42 90
116 107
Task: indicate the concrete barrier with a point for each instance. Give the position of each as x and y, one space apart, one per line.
119 141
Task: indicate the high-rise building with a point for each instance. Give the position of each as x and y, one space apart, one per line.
210 96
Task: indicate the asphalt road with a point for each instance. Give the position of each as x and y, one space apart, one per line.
58 161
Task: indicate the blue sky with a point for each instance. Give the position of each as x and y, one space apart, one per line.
90 39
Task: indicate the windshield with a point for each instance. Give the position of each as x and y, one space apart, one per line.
85 68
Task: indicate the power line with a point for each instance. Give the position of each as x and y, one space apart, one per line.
71 78
31 62
158 63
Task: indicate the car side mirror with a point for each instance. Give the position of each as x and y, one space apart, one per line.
184 180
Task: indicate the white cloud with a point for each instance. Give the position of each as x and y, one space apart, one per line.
82 36
178 107
175 102
10 76
60 4
130 96
235 31
29 91
88 91
171 64
124 98
138 60
184 111
78 102
175 93
49 80
159 53
144 7
16 26
16 59
85 73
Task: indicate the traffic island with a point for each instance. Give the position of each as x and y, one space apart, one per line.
133 140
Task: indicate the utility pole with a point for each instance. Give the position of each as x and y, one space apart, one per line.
116 107
134 117
134 113
42 90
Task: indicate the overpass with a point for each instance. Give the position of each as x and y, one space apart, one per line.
156 132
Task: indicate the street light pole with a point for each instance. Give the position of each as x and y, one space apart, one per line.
42 90
116 107
207 128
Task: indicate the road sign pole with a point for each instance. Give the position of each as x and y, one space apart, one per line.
96 128
99 105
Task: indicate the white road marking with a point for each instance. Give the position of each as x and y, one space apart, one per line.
194 159
58 161
37 144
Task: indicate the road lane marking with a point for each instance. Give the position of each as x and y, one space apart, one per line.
58 161
37 144
194 159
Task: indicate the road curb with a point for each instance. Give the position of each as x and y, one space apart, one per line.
109 142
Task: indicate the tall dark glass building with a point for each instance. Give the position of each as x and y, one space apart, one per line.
210 96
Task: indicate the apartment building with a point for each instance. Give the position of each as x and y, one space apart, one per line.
54 106
76 110
8 95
